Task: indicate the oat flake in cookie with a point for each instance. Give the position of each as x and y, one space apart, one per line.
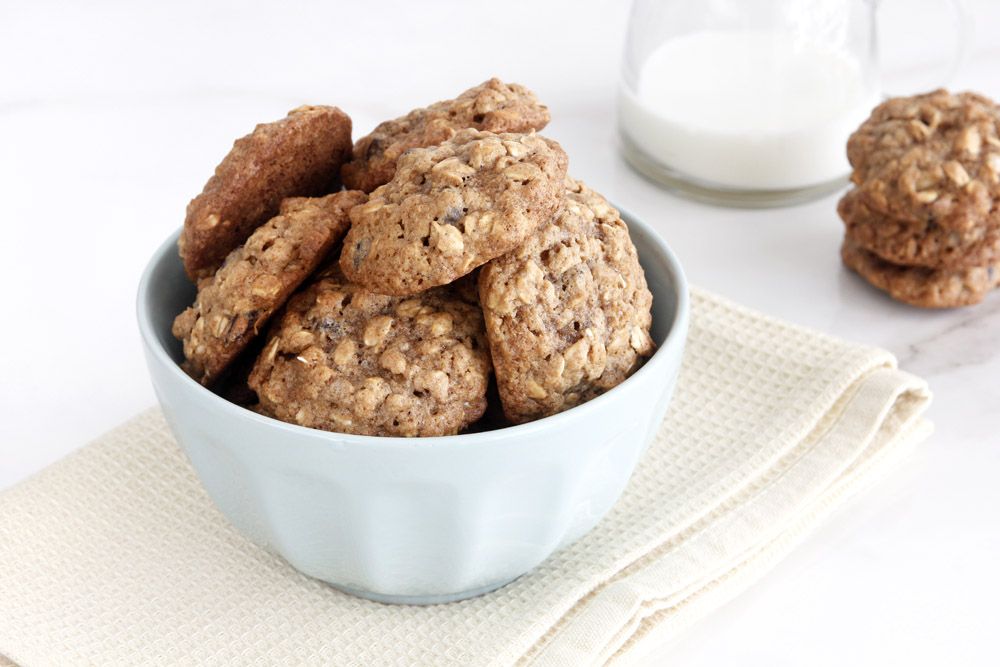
493 106
451 208
345 359
257 278
922 286
299 155
567 313
931 158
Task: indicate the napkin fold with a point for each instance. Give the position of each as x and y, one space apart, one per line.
115 555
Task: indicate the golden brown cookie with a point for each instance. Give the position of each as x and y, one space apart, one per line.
922 286
568 312
451 208
299 155
257 278
917 243
493 106
345 359
932 158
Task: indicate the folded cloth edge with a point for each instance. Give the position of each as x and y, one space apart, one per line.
654 631
881 419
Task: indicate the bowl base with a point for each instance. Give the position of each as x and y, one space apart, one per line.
422 599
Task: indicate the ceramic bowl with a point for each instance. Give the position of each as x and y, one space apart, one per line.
416 520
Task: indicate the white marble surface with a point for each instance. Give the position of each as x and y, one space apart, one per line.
113 114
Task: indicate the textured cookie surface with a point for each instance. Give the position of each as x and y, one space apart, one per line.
567 313
917 243
493 106
922 286
451 208
257 278
930 158
299 155
344 359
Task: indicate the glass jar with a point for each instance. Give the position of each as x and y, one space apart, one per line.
748 102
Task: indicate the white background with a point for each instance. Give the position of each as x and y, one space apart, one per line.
112 116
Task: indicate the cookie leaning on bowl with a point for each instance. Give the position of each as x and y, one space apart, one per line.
493 106
451 208
568 312
299 155
345 359
257 278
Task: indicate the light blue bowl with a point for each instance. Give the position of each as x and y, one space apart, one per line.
418 520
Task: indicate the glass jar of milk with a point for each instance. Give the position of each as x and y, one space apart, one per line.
747 102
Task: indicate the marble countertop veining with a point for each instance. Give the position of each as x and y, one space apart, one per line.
112 115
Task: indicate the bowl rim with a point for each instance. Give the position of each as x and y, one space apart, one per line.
672 344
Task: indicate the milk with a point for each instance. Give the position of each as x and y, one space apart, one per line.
747 110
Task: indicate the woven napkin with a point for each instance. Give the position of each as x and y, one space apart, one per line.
115 555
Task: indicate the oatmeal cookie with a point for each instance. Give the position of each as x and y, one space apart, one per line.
917 243
345 359
922 286
568 312
299 155
257 278
493 106
931 158
451 208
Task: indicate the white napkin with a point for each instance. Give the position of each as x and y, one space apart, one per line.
115 555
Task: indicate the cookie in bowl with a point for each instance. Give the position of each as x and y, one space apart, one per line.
568 312
299 155
452 208
233 305
493 106
345 359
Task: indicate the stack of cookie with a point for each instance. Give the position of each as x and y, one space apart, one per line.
923 222
461 249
